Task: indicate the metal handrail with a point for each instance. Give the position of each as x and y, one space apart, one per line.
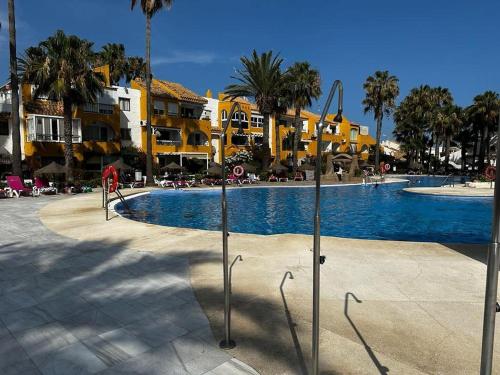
447 178
317 258
227 343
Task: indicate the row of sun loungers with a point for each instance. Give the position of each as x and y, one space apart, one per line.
17 188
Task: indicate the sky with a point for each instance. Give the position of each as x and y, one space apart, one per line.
198 43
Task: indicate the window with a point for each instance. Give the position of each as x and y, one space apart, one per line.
124 104
99 132
305 126
51 129
173 109
105 109
125 135
4 127
168 136
244 120
354 134
239 140
41 96
197 139
223 115
186 112
257 121
352 148
158 107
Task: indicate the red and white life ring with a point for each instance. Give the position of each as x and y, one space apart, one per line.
490 173
387 167
110 173
238 171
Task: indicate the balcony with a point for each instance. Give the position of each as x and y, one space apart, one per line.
104 109
168 142
55 138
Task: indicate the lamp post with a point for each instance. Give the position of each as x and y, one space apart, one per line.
490 302
227 343
317 259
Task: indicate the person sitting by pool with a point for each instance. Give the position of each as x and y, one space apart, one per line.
339 173
272 178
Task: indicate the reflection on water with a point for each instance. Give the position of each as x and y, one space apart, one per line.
385 212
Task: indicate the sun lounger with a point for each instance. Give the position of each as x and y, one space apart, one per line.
272 178
18 188
298 177
283 179
43 186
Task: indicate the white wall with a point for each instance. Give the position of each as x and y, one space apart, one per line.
213 106
130 119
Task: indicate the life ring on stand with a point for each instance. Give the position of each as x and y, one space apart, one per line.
238 171
110 173
490 172
387 167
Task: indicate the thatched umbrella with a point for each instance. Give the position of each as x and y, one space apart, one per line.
306 167
214 164
173 166
249 168
278 168
52 168
120 165
214 171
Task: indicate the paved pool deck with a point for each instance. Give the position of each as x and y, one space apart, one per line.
387 307
455 191
96 307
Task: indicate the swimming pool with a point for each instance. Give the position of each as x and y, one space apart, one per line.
369 212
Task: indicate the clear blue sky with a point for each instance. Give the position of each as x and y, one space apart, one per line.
198 42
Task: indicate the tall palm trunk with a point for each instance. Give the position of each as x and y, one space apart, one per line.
474 150
265 141
149 146
296 139
377 145
15 122
436 152
463 151
68 138
480 163
277 139
447 153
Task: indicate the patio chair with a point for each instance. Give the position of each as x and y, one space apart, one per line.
17 186
272 178
298 177
283 179
43 186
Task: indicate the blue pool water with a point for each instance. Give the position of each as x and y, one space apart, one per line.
382 212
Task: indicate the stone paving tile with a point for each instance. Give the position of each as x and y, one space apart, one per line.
89 323
125 341
234 367
123 312
15 300
64 306
155 330
160 361
44 339
27 318
197 355
13 358
71 359
105 351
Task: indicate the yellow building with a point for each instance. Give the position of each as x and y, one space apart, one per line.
345 137
181 127
96 130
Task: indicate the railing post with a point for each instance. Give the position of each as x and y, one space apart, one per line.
493 263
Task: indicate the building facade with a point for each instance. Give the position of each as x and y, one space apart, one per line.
186 128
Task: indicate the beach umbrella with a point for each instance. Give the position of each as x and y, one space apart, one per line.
306 167
214 171
52 168
278 168
173 166
120 165
249 168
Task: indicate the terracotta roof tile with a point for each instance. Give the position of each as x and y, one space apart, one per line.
173 90
44 107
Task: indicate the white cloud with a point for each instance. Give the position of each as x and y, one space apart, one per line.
193 57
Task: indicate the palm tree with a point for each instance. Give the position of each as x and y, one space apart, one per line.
61 68
14 84
302 86
261 79
484 115
150 8
440 99
136 68
113 54
454 119
381 90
